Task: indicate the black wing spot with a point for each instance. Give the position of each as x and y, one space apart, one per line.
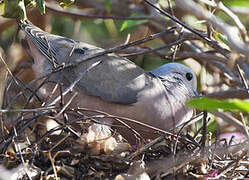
189 76
79 51
85 48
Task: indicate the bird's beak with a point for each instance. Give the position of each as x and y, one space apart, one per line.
196 93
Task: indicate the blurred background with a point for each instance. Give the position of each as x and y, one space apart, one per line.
212 39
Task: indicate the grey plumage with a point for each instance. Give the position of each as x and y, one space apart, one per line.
116 85
99 80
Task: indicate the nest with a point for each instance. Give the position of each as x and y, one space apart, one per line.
40 142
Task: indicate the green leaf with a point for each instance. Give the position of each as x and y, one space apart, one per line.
167 18
30 3
204 103
212 126
223 38
66 3
131 23
2 6
41 6
108 5
243 3
13 9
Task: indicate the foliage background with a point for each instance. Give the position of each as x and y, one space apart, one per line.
214 45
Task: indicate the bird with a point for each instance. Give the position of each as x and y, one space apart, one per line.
114 84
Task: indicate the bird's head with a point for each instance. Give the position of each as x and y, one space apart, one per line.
177 71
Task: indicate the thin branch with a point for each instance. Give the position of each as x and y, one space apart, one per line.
103 52
233 93
231 120
233 16
76 13
128 120
228 30
212 43
28 110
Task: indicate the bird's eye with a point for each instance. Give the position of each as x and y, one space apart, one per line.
189 76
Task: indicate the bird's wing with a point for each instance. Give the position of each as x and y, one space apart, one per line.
114 79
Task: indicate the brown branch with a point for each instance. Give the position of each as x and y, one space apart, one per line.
103 52
228 30
236 93
78 14
235 18
212 43
231 120
200 57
